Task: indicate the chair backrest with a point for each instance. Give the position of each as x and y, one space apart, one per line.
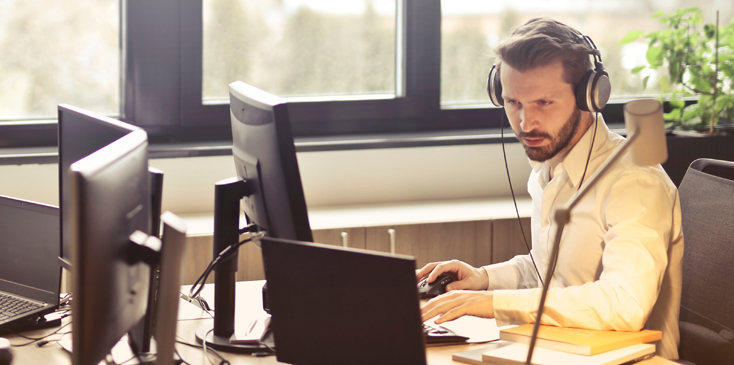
707 300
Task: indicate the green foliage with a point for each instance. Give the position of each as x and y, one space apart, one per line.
687 54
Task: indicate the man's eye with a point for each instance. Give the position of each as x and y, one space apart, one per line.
544 102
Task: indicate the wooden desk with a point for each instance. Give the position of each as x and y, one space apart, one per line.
190 319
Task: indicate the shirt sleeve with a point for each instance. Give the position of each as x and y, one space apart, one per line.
637 211
516 273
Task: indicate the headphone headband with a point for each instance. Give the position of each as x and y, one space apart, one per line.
592 91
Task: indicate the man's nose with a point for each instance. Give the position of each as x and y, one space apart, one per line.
528 120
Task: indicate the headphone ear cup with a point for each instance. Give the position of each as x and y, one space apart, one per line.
593 91
494 87
582 91
602 90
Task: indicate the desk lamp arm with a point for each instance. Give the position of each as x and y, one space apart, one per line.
562 216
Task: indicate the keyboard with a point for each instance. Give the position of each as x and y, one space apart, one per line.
12 306
436 334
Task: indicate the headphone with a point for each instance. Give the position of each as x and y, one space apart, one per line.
592 91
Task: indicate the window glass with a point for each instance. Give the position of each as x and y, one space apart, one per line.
308 48
472 28
59 52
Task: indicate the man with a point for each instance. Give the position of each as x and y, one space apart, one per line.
619 264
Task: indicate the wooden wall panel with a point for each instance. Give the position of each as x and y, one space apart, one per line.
483 243
355 236
476 242
507 239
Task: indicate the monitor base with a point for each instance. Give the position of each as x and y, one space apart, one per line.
221 343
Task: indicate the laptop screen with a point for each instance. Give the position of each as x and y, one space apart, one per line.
29 248
333 305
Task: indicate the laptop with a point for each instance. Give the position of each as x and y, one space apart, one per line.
334 305
30 276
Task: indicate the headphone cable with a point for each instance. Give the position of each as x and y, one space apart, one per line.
512 191
591 148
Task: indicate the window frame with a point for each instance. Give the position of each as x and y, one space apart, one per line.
161 80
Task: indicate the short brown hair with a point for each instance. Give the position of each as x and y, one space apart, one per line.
542 41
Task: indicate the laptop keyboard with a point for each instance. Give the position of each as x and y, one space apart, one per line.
12 306
438 334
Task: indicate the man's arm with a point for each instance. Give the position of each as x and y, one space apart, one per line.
638 211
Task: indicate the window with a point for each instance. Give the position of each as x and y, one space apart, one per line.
58 52
472 28
321 49
366 66
347 67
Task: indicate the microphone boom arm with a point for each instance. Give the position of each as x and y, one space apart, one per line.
562 216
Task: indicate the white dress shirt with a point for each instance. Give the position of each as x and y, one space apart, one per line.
619 264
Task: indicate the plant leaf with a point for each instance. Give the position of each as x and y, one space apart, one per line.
678 104
673 115
638 69
664 85
701 84
644 82
691 112
654 55
631 36
709 30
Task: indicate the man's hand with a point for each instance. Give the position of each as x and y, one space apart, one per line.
459 303
466 276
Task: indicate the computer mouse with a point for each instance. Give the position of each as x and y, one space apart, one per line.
437 287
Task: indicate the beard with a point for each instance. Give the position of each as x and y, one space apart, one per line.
557 143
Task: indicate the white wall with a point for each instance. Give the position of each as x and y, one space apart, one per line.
329 178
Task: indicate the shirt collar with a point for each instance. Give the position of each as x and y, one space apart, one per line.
574 162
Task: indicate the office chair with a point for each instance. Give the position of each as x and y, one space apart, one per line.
707 300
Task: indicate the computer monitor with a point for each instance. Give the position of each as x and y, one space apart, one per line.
80 133
265 157
335 305
169 290
267 187
109 200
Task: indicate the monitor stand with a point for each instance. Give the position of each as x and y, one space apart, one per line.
227 196
139 337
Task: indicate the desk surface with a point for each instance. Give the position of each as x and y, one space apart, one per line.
190 319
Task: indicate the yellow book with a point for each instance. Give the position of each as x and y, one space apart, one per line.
578 341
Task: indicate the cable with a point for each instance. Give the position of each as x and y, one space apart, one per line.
591 147
229 251
217 260
588 158
34 340
203 345
517 211
222 361
136 356
180 357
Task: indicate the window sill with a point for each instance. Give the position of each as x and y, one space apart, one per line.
46 155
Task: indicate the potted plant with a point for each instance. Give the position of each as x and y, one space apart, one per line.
699 60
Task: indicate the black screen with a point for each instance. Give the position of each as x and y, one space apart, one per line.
29 247
334 305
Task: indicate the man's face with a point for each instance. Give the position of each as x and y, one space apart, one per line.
542 110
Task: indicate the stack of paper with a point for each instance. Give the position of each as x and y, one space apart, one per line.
565 346
516 353
578 341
